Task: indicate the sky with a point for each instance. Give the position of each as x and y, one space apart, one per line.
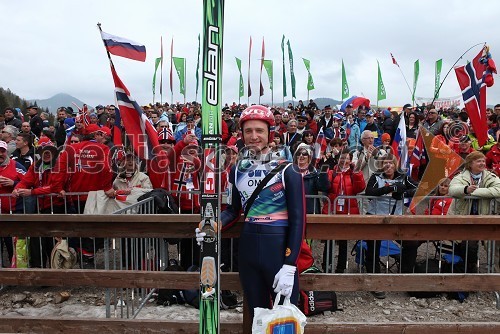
54 46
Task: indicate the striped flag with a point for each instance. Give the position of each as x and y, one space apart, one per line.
399 147
320 144
123 47
418 156
140 131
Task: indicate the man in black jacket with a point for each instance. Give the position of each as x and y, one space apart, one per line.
60 130
36 121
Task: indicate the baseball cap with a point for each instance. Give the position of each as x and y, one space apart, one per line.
407 106
370 114
105 130
92 128
3 145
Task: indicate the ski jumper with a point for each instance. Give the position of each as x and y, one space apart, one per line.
274 228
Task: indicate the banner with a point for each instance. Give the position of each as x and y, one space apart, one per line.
157 63
161 67
381 95
416 70
180 68
292 75
268 65
437 80
241 87
198 67
310 82
345 86
263 55
445 102
284 74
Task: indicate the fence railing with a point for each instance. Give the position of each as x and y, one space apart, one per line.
320 227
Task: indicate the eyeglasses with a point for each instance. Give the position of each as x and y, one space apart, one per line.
302 120
75 141
112 109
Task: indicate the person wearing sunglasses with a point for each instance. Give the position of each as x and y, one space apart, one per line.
433 122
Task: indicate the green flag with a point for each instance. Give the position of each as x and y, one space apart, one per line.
345 86
268 65
292 75
310 82
439 64
241 86
416 70
284 75
157 63
198 66
381 88
180 68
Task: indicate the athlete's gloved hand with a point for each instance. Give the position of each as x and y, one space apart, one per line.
199 236
283 281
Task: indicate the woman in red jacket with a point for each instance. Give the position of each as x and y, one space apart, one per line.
343 182
39 182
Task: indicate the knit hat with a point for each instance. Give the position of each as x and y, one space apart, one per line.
386 136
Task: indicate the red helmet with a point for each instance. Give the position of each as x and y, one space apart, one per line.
260 113
257 112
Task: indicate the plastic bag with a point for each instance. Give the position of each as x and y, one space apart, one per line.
281 319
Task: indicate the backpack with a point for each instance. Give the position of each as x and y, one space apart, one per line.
316 302
167 297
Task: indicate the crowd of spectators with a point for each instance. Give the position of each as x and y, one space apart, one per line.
77 155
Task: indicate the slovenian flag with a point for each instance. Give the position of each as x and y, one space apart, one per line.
399 146
320 145
123 47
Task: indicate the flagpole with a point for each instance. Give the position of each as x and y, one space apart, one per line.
407 84
161 72
452 66
185 84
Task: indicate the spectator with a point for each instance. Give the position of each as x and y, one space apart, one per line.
161 168
102 114
353 133
301 124
291 137
493 157
314 182
279 125
390 187
388 125
36 121
326 121
475 181
311 122
440 206
412 125
433 122
9 134
39 181
11 172
365 158
10 115
24 153
189 128
130 177
372 126
343 181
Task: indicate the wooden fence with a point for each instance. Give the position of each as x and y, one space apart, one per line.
337 227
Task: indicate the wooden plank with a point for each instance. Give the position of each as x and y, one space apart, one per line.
230 281
336 227
52 325
90 325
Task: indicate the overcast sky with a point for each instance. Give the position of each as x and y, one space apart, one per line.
54 46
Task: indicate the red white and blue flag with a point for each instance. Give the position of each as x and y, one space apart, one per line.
470 79
123 47
418 156
399 147
320 144
140 131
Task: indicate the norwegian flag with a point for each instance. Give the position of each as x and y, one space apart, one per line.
165 134
418 156
394 60
140 131
320 144
471 80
